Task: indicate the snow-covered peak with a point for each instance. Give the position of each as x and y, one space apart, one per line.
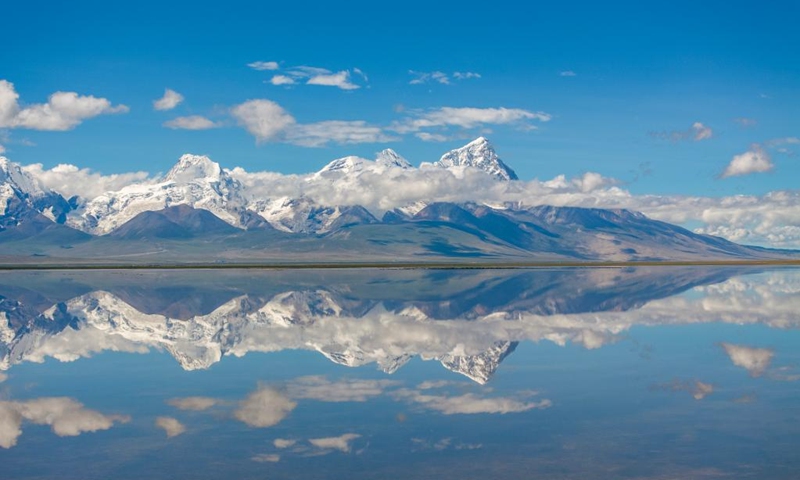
345 165
192 167
11 173
390 158
480 154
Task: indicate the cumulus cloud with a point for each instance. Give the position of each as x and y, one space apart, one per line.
468 403
65 416
192 122
264 119
171 426
421 78
755 160
466 118
196 404
283 443
264 408
341 443
431 137
567 73
347 390
170 100
63 110
697 132
70 180
754 360
264 65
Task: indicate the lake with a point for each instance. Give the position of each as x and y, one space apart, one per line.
641 373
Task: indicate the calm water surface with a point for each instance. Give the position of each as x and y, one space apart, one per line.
646 373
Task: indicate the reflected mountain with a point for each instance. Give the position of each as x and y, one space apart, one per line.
469 321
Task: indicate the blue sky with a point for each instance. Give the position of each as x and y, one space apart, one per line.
643 76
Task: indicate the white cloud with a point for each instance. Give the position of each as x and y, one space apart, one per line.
283 443
264 408
264 65
171 426
341 443
701 132
193 403
337 131
65 416
307 75
63 110
339 80
431 137
755 160
2 149
421 78
264 119
170 100
697 132
266 458
70 180
3 377
348 390
192 122
469 403
282 80
268 121
466 75
746 122
754 360
568 73
467 117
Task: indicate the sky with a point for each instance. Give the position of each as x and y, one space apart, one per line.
676 98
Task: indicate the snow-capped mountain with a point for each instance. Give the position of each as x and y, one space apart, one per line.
303 215
195 181
480 154
390 158
22 196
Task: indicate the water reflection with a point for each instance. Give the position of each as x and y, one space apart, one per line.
565 373
468 322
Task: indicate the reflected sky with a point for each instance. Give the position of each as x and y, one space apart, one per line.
664 372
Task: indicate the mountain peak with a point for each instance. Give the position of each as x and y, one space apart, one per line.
192 167
351 164
480 154
390 158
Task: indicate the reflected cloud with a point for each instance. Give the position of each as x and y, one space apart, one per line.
196 404
699 390
348 390
754 360
65 416
263 408
171 426
468 404
283 443
341 443
266 458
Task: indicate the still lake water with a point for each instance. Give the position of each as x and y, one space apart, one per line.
646 373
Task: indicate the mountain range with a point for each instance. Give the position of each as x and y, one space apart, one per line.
199 211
